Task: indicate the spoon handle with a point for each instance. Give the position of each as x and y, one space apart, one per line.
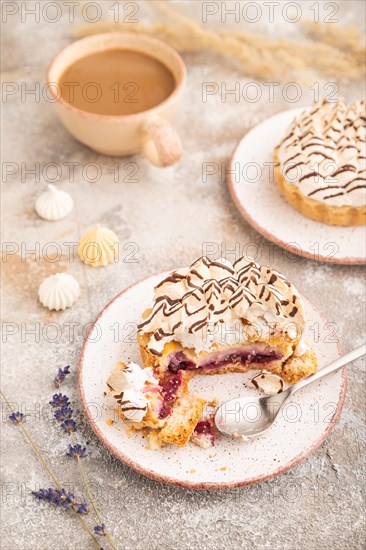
335 365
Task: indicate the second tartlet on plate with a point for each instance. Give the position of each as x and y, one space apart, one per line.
320 164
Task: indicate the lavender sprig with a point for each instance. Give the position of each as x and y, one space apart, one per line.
61 375
78 452
63 412
58 496
62 499
17 418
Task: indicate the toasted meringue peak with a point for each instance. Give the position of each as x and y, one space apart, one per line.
59 291
53 204
323 155
191 303
268 383
98 246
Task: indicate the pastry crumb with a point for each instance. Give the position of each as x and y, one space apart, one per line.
129 431
110 421
192 471
223 469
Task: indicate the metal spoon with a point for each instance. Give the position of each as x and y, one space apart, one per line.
251 416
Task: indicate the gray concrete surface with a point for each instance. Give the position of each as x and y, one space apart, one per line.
169 215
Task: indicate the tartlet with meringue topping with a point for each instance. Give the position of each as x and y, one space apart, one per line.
214 317
320 164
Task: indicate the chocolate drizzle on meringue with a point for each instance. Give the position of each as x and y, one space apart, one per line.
323 153
193 302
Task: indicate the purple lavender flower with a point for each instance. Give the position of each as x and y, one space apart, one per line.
61 375
70 500
64 499
100 530
59 401
76 451
83 509
16 417
52 496
43 494
61 499
68 425
63 414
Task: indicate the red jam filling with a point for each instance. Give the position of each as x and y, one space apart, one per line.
205 428
180 362
169 391
165 410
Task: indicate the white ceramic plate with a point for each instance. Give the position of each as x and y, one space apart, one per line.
302 427
258 199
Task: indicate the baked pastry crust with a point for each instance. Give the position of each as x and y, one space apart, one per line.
181 424
317 210
320 163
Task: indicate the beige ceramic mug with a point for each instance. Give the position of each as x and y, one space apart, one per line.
149 131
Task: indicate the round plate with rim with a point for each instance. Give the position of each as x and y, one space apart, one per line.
300 428
259 200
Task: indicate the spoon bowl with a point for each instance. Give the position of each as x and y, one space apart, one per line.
251 416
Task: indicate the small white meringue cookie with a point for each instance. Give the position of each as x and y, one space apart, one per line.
53 204
59 291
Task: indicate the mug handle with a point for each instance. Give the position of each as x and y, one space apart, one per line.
161 145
